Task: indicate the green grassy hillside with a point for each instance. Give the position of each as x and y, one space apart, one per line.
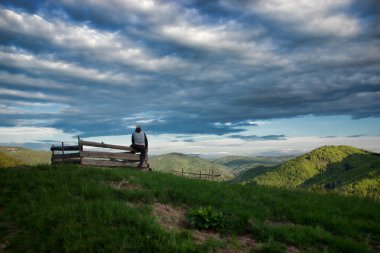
28 156
247 174
8 162
242 162
177 161
245 168
76 209
342 169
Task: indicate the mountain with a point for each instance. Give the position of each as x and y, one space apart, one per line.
245 168
192 164
246 174
27 156
342 169
243 162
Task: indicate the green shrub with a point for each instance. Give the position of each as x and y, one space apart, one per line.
206 218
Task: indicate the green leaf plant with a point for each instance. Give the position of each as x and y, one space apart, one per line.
206 218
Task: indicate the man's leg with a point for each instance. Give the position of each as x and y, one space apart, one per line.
142 150
142 156
135 148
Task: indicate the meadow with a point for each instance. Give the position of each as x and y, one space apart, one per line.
80 209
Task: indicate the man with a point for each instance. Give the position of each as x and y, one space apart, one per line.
140 144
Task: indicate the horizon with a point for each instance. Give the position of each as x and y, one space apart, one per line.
217 156
214 78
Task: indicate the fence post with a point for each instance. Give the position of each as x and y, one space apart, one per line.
80 147
52 154
182 172
212 175
63 151
200 174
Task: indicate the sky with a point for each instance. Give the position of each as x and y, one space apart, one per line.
214 78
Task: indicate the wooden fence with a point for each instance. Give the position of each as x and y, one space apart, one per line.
205 176
78 155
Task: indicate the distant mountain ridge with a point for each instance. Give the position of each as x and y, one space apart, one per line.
247 167
237 162
193 164
342 169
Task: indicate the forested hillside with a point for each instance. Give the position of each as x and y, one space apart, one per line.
342 169
243 162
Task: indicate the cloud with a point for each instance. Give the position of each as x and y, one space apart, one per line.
82 40
356 135
186 67
64 70
317 18
17 135
257 138
214 146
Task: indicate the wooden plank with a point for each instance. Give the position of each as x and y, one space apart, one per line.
65 156
190 173
65 148
104 145
123 155
59 158
66 161
108 163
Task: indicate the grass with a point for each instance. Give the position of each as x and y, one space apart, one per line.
9 162
70 208
27 156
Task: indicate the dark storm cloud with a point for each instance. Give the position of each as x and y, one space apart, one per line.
328 137
258 138
356 135
186 66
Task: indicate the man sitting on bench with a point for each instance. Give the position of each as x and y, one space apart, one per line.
140 144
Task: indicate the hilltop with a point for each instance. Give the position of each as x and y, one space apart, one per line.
342 169
193 164
27 156
77 209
